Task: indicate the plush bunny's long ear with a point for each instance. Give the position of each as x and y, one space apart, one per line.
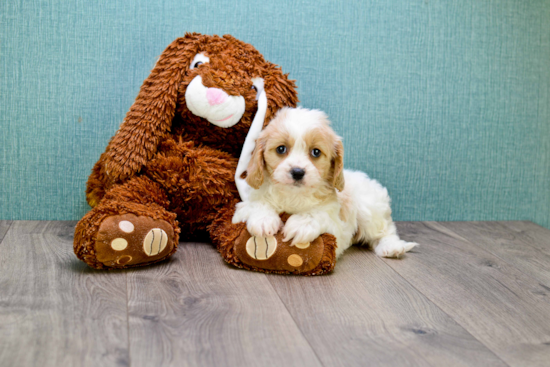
150 117
250 143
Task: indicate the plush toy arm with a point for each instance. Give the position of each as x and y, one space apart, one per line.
150 117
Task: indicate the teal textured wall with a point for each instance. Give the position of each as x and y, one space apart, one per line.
445 102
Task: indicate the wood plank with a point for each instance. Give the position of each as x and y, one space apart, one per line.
4 226
366 314
194 310
54 309
537 236
521 244
494 301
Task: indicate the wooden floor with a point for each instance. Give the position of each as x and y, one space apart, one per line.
472 294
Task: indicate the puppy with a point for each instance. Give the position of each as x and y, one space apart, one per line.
297 168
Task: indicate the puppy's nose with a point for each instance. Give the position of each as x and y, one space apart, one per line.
297 173
215 96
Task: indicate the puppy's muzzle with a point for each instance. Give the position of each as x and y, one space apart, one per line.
297 173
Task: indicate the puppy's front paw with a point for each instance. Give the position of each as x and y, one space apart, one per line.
301 229
241 214
393 247
264 225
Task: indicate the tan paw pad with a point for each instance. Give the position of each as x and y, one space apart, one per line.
155 242
261 248
119 244
302 246
126 226
295 260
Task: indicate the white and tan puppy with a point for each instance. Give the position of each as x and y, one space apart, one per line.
297 168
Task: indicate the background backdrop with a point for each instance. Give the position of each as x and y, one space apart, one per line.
445 102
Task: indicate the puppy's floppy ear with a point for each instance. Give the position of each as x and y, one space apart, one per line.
338 166
150 117
256 166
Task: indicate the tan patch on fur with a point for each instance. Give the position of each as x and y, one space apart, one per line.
321 138
330 163
256 166
338 167
275 135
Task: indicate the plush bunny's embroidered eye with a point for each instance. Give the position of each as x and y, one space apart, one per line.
281 149
198 60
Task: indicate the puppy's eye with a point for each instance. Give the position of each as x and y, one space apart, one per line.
281 149
254 89
316 153
197 64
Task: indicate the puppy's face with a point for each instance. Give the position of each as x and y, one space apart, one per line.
298 148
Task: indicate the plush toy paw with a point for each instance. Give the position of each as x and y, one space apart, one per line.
128 240
271 254
393 247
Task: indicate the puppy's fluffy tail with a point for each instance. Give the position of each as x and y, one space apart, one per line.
371 204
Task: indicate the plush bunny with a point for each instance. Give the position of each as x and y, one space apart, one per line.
169 170
172 171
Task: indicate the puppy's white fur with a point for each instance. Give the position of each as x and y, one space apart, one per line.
359 212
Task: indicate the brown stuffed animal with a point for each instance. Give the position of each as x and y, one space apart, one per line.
169 171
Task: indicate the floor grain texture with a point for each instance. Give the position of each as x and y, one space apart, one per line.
197 311
472 294
501 306
367 314
55 310
521 244
4 226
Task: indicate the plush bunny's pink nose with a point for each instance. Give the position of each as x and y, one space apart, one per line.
215 96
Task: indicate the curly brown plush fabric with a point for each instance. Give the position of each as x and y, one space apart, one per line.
167 168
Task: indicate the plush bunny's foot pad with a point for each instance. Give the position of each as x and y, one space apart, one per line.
128 240
272 255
